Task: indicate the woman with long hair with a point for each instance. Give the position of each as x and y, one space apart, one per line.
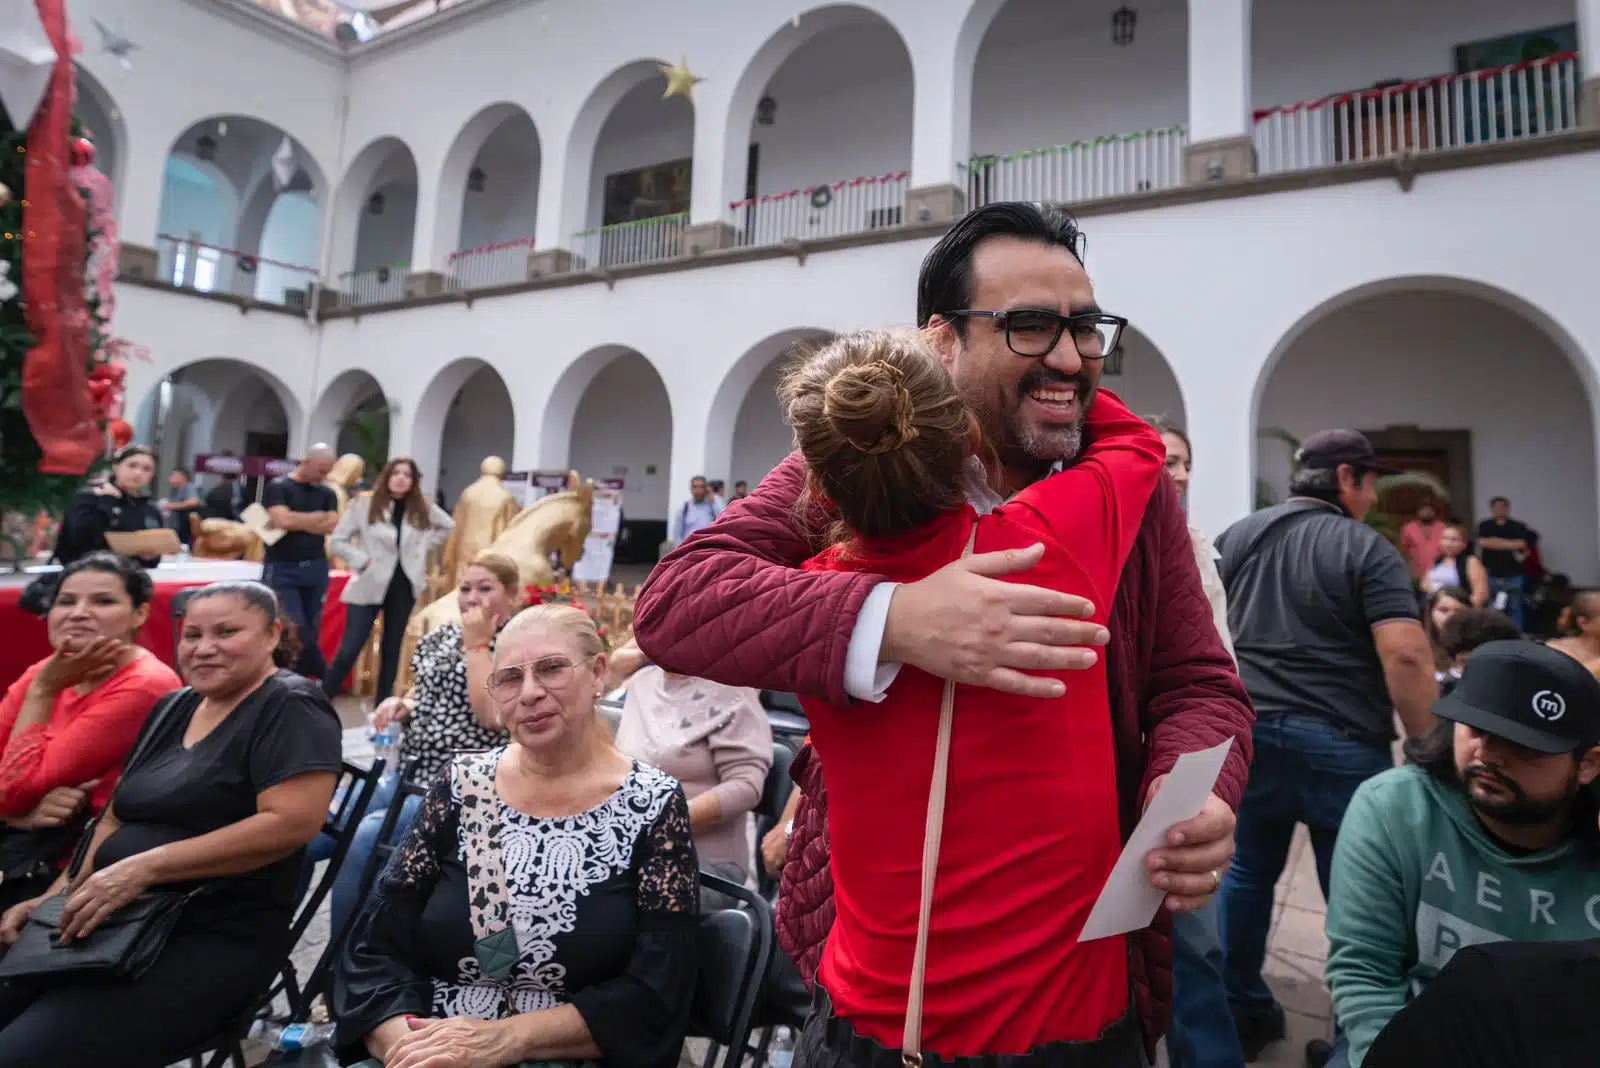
1437 610
386 537
894 451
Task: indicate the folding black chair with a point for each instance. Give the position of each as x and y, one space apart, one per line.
735 947
317 982
354 790
774 798
787 717
784 1002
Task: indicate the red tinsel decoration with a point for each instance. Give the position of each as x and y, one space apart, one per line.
121 433
55 387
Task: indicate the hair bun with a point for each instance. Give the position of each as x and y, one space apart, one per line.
870 407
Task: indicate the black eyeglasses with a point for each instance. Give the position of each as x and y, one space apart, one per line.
1034 332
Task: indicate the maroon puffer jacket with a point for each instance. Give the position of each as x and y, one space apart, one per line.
805 892
730 605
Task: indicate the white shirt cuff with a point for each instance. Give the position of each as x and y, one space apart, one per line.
865 678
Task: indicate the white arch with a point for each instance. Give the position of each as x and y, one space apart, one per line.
1516 303
349 203
339 398
561 407
220 381
1571 542
736 383
767 60
1148 382
584 137
450 207
427 420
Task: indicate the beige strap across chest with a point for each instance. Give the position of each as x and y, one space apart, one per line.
911 1043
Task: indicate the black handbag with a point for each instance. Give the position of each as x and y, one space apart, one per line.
33 854
127 942
39 594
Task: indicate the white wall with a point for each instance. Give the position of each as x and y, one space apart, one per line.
293 235
385 240
1304 51
1048 74
481 423
197 201
623 426
761 436
643 130
1439 361
507 207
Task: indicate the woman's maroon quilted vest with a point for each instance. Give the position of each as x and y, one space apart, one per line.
805 896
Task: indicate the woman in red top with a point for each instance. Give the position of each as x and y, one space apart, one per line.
1030 827
68 723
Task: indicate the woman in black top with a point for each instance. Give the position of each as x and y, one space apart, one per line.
119 506
235 780
585 854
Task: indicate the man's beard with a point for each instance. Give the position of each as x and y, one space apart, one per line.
1520 810
1019 439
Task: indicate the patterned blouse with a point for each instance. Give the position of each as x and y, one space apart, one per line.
604 906
443 724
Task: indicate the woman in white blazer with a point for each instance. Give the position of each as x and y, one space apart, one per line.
385 537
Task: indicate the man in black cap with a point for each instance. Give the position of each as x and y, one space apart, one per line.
1488 835
1329 644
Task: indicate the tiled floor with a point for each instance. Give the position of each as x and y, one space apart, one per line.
1296 951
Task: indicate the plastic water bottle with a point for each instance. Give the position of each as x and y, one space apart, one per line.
385 742
780 1053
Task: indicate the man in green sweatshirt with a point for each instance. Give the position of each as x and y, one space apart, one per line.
1488 835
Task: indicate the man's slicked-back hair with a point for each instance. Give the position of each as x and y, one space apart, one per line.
945 281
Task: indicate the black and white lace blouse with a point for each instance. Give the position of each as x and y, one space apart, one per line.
604 905
443 724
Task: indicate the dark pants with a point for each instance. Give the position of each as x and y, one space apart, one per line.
195 987
398 601
1514 588
301 587
828 1041
1305 771
1202 1033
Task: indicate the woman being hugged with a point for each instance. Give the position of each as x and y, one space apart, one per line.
233 777
1030 832
386 538
543 905
68 723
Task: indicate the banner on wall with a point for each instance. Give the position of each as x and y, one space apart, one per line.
531 486
243 466
605 523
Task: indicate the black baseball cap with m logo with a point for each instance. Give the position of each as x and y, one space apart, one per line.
1529 694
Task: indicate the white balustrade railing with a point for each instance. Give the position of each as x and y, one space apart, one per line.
377 285
1113 166
625 244
853 206
1508 103
205 268
504 263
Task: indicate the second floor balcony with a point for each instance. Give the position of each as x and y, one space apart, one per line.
833 146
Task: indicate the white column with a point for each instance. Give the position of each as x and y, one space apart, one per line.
690 411
1221 431
1589 58
941 121
144 171
1220 116
718 176
1219 69
426 255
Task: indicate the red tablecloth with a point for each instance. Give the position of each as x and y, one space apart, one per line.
24 641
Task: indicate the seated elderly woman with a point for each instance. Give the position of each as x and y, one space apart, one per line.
716 741
232 780
70 720
543 905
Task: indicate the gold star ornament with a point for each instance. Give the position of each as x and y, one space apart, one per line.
680 81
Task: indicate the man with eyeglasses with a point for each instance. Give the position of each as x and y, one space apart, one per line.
1011 312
